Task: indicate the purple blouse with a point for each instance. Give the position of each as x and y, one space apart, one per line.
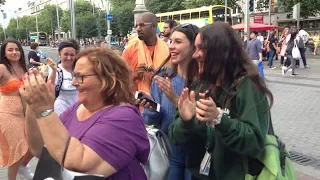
117 134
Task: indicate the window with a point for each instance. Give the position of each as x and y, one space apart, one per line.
158 18
176 17
185 16
164 18
204 14
195 15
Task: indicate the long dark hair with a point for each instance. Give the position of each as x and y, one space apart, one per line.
225 60
191 32
4 60
293 31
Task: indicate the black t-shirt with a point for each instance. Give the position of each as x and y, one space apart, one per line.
34 56
272 40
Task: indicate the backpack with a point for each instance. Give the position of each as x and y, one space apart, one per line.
157 167
275 157
60 81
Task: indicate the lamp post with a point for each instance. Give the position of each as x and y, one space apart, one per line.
108 23
17 12
73 20
58 20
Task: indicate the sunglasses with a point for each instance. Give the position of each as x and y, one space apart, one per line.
188 25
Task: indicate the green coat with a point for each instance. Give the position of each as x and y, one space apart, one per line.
240 134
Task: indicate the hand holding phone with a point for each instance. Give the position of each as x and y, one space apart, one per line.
145 100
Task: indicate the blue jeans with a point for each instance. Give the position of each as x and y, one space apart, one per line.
272 53
178 169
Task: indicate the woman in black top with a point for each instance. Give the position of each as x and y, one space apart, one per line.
33 57
293 34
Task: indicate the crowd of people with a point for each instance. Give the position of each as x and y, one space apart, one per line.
214 106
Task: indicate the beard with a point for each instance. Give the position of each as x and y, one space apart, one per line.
167 35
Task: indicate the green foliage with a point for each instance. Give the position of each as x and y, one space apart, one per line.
157 6
308 7
123 19
2 1
47 19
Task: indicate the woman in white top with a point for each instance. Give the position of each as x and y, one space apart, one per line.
67 92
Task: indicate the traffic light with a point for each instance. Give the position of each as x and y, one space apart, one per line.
251 5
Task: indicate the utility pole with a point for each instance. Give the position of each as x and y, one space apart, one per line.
270 12
4 29
247 20
225 11
109 24
58 20
73 20
37 27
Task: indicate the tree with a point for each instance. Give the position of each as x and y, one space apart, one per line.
123 19
86 26
65 21
86 22
2 1
157 6
1 34
308 7
11 29
47 19
122 22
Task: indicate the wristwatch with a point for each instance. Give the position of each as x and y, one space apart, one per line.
44 113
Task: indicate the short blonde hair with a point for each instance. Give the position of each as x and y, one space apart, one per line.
113 72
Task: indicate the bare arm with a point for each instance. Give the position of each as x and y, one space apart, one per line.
79 157
34 136
54 67
1 71
32 61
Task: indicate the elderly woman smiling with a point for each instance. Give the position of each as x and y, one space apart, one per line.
107 133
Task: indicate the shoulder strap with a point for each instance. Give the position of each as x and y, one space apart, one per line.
60 81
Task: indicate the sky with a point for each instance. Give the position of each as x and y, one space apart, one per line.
10 7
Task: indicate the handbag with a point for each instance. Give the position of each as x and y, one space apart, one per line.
261 70
295 51
48 167
157 166
283 49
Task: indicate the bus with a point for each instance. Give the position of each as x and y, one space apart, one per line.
198 16
42 39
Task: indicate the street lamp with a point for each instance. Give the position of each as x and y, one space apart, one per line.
73 20
16 11
58 21
37 27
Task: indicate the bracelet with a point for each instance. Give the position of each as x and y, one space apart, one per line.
216 121
44 113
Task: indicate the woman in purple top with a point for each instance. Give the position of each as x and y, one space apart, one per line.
108 136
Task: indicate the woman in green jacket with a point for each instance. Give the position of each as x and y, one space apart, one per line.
224 119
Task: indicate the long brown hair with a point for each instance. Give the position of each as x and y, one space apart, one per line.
4 60
226 60
114 74
191 32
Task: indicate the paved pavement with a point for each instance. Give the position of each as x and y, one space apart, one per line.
295 112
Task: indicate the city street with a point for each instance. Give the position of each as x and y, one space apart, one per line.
295 113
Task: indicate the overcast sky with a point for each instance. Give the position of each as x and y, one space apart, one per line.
11 6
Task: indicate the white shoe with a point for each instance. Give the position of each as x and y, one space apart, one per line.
290 70
25 172
283 72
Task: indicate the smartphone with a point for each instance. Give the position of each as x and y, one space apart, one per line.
155 106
